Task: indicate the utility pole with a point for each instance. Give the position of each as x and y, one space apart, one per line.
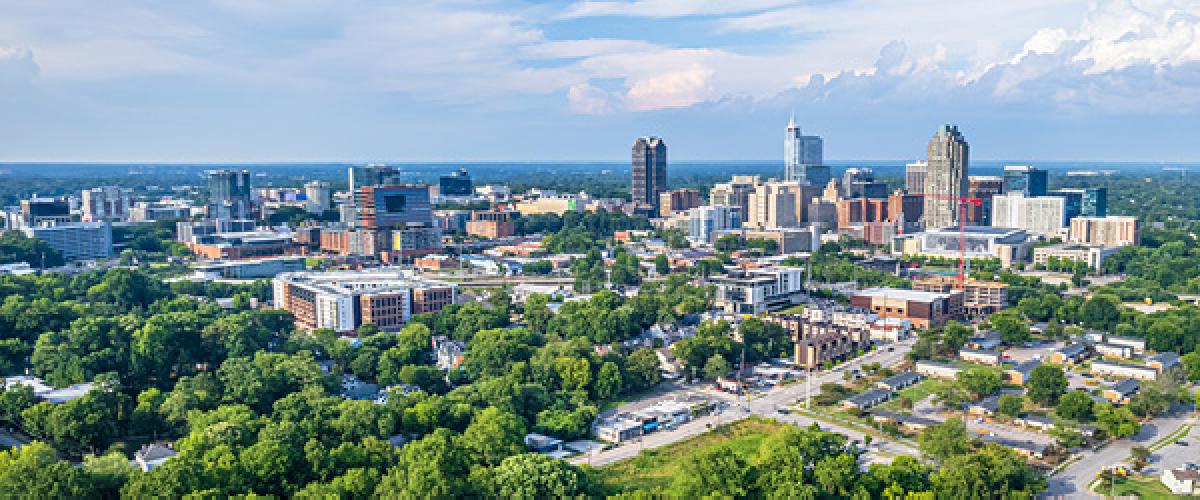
808 396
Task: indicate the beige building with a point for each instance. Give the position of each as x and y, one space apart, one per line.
1092 255
1111 231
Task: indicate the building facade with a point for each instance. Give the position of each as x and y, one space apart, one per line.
803 156
491 224
457 183
1044 215
318 197
678 200
106 203
393 207
914 177
945 177
1112 231
923 309
229 195
344 300
979 297
75 241
1025 179
649 171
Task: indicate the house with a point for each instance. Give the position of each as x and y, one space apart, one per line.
1023 448
47 393
1122 392
353 388
667 363
906 423
1020 373
1123 370
867 399
1182 481
984 407
989 341
449 353
979 356
1116 351
938 370
1069 354
152 455
1163 361
1094 336
617 430
541 443
899 381
1138 345
1039 422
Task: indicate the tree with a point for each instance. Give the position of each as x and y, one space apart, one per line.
954 334
434 466
981 380
945 440
716 367
33 471
1101 312
494 435
1010 325
713 472
108 472
1075 405
950 396
1046 384
661 265
992 472
608 381
1140 456
533 475
1117 422
642 368
1191 364
1155 397
1010 405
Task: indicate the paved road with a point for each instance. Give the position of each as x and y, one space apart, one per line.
766 404
1073 481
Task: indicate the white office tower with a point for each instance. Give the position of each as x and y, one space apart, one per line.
1044 215
318 197
803 156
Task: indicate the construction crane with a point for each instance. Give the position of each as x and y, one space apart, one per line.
963 202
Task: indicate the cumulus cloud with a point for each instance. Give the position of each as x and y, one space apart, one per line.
669 8
584 98
677 89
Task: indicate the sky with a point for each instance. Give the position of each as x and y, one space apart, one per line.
539 80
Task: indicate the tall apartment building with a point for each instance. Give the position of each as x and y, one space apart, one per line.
945 177
979 297
1111 231
914 177
649 171
78 240
779 204
1045 215
859 211
318 197
229 195
107 203
678 200
735 193
1025 179
1085 202
344 300
803 156
705 222
983 187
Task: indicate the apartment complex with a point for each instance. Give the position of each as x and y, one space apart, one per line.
1045 215
344 300
979 297
1111 231
678 200
106 203
755 291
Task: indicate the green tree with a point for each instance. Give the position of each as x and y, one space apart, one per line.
955 335
992 472
981 380
1046 384
33 471
434 466
1191 365
1011 405
533 475
642 368
494 435
1117 422
661 265
1101 312
716 367
943 441
608 381
1010 325
713 472
1075 405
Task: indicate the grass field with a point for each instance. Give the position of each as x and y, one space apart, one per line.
656 468
1148 488
916 393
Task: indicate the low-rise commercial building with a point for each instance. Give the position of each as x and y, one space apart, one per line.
980 297
923 309
1093 256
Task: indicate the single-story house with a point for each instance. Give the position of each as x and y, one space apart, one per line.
1124 370
1020 373
907 423
1137 344
1182 481
1163 361
979 356
1121 392
989 341
1069 354
984 407
1024 448
1118 351
899 381
938 370
1040 422
152 455
867 399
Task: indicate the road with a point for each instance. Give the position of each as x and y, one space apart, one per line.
1073 481
766 405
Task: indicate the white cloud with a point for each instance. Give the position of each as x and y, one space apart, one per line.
669 8
584 98
677 89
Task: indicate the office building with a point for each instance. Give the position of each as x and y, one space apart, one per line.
803 156
410 242
859 211
75 241
788 240
678 200
143 211
557 204
1092 255
252 268
779 205
982 242
906 209
106 203
1025 179
755 291
491 224
229 195
1084 202
914 177
1044 215
373 175
456 184
344 300
649 171
982 187
923 309
351 241
393 207
945 177
860 183
40 211
705 222
979 297
735 193
318 197
1111 231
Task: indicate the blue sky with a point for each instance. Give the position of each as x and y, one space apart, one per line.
463 80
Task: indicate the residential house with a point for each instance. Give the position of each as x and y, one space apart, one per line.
1069 354
1137 344
979 356
153 455
1020 373
906 423
1121 392
1114 351
1163 361
938 370
984 407
1182 481
867 399
899 381
450 353
1023 448
1039 422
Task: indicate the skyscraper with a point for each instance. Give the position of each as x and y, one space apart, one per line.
914 177
1025 179
945 177
373 175
229 194
318 197
803 156
649 171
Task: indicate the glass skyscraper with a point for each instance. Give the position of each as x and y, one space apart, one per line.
803 156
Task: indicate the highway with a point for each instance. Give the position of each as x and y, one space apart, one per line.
766 405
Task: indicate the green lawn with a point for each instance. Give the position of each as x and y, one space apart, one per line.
655 468
791 310
1148 488
916 393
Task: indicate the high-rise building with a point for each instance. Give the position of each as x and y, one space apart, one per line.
1085 202
107 203
1044 215
678 200
982 187
229 194
704 222
77 240
803 156
1025 179
945 177
860 183
393 207
373 175
318 197
914 177
40 211
649 171
456 184
734 193
1111 231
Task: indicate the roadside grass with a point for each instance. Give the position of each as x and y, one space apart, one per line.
1147 488
1167 440
916 393
657 467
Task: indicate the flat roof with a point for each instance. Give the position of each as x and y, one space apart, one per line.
900 293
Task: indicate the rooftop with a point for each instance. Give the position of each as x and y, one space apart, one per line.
899 293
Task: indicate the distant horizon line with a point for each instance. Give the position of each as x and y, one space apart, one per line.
1164 163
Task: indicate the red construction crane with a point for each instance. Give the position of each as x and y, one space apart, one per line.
962 228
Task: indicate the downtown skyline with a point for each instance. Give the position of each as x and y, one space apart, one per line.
336 81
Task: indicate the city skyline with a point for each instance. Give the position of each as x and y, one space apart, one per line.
336 81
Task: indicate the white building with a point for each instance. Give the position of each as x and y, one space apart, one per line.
1093 256
755 291
982 242
107 203
705 222
1114 369
318 197
79 240
343 300
1045 215
1182 481
1111 231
